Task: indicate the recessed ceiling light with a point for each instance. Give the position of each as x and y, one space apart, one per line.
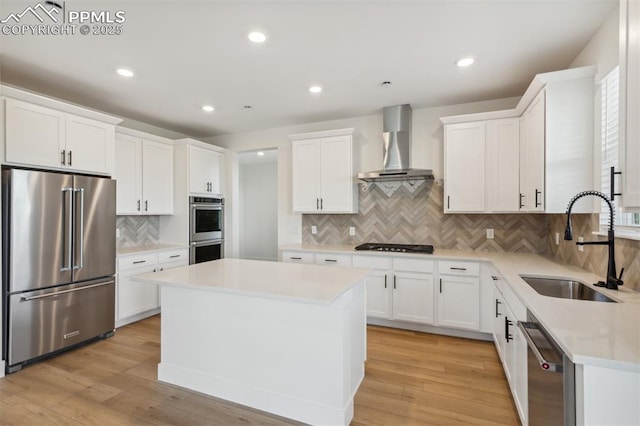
125 72
315 89
208 108
257 37
260 153
465 62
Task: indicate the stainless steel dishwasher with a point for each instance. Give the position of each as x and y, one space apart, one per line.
551 378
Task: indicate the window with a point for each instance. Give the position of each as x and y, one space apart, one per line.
609 158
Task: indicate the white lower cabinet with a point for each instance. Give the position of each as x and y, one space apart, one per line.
136 300
511 345
459 295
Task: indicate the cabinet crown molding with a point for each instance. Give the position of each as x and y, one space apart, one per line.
195 142
322 134
38 99
143 135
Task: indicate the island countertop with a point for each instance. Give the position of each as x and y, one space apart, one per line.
294 282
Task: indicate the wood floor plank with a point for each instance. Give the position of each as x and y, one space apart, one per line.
411 378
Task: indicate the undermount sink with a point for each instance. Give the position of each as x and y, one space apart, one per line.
565 289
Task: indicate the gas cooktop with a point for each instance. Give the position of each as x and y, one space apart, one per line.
398 248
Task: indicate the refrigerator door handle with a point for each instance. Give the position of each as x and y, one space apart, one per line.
58 293
80 247
69 236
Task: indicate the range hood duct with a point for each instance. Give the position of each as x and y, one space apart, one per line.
396 127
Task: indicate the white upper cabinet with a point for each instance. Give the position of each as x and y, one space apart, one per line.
629 132
532 141
144 175
503 156
543 148
464 167
323 165
204 171
45 137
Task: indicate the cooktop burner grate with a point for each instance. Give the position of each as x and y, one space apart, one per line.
398 248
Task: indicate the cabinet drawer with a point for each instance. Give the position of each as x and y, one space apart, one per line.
136 261
373 262
452 267
173 255
412 265
298 257
333 259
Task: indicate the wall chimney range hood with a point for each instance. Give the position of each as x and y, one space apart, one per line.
396 148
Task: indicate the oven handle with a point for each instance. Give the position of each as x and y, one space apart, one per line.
205 243
207 206
544 364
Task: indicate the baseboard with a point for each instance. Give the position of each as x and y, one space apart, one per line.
445 331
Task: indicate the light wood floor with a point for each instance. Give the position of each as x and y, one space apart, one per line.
411 379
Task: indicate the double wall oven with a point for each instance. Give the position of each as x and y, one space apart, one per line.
206 229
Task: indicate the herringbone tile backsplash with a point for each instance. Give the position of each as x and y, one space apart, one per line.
418 218
593 258
137 230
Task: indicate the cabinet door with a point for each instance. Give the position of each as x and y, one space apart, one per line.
34 135
503 170
90 144
413 297
378 294
135 297
498 324
459 302
204 171
157 178
464 167
305 175
629 137
128 175
336 175
532 142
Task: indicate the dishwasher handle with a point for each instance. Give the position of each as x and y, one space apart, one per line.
544 364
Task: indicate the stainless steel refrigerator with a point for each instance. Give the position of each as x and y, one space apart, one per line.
58 262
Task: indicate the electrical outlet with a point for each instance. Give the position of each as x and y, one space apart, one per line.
489 234
314 229
117 232
557 238
352 230
580 240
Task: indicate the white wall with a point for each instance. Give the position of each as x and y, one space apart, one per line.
427 143
258 211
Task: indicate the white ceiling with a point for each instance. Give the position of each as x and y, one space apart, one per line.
189 53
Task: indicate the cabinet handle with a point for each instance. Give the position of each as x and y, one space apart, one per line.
521 197
317 203
146 205
612 180
453 268
394 282
330 260
385 280
448 201
64 156
538 204
70 158
295 258
161 269
154 270
507 324
138 205
139 261
440 285
174 256
321 203
497 312
493 277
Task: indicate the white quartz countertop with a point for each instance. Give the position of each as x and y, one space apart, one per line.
293 282
149 248
591 333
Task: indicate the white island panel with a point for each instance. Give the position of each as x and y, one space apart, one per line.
299 354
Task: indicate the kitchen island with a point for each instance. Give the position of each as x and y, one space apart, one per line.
284 338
